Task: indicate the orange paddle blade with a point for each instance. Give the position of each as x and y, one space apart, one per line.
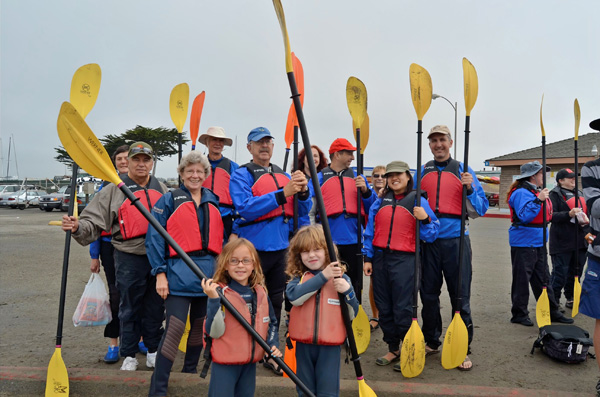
195 117
289 127
299 75
289 356
292 120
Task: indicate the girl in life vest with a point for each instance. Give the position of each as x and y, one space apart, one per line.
389 251
316 322
234 353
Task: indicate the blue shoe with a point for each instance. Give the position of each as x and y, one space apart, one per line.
112 356
142 348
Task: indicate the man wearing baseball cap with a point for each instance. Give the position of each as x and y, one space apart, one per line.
339 186
564 248
222 169
262 194
443 179
141 309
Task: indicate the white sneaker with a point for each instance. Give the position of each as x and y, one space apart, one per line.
150 360
129 364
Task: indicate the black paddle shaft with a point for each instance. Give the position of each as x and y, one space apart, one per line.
576 205
324 220
359 171
194 268
295 168
544 215
63 282
418 222
463 218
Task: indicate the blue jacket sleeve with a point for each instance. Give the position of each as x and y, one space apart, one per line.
248 206
525 205
369 233
156 246
95 249
351 299
429 231
477 200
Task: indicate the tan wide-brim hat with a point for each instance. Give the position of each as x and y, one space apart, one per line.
215 132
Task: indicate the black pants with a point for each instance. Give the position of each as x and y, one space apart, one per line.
113 328
350 254
564 270
141 309
227 225
440 262
529 268
177 311
273 266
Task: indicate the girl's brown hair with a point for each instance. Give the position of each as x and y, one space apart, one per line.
222 276
306 239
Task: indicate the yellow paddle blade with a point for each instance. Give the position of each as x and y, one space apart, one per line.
471 85
364 390
55 223
186 333
57 379
83 146
364 133
456 343
75 206
541 121
542 310
356 97
362 330
85 87
412 357
577 118
178 105
420 89
286 40
576 297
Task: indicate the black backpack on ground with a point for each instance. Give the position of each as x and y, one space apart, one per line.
566 343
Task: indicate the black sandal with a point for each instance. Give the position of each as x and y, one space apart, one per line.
373 328
273 367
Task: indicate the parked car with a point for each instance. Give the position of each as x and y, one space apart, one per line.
493 199
81 202
7 190
23 198
53 201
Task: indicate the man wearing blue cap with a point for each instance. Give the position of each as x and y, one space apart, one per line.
262 194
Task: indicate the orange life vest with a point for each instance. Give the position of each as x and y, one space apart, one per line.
339 193
218 182
318 321
395 223
443 184
132 223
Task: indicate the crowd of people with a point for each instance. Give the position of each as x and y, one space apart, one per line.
235 223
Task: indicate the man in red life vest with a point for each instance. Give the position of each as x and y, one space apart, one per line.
443 179
262 194
339 186
141 309
222 169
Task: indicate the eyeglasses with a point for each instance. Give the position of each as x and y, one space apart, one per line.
245 261
140 149
378 176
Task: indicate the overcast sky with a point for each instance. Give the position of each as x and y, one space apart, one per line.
234 51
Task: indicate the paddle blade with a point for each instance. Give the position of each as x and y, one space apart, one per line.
75 206
577 118
289 126
83 146
85 86
541 121
57 379
456 343
195 117
286 41
471 85
364 133
421 89
576 297
364 390
299 75
412 357
184 337
178 105
362 330
356 97
542 309
289 357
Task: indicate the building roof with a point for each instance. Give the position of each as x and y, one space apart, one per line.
555 150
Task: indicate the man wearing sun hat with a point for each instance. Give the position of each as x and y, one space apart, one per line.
222 169
564 248
339 185
141 309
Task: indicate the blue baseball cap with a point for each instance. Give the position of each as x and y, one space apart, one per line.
259 133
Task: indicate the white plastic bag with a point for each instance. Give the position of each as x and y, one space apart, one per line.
94 306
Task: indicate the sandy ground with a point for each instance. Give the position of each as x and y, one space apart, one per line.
30 270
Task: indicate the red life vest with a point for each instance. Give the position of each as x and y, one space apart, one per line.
132 223
184 225
236 346
339 193
265 182
446 185
395 223
538 221
318 321
218 182
569 198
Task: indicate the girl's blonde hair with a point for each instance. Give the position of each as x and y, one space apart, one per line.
222 276
306 239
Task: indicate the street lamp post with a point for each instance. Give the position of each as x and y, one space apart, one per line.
436 96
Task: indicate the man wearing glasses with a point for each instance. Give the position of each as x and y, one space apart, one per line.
141 309
262 194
